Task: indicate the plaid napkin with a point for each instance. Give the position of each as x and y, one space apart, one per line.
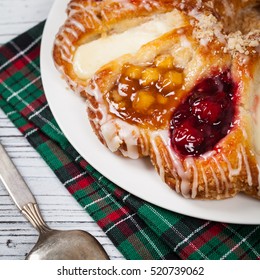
138 229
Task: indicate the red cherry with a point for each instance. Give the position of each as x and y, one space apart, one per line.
187 139
207 110
212 135
180 115
223 99
205 117
208 86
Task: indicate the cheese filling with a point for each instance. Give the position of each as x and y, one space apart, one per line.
90 57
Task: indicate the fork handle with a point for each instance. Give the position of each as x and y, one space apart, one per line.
20 192
13 181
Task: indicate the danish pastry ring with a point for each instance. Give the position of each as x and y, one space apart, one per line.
177 81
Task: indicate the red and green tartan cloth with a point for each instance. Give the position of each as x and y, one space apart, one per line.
137 228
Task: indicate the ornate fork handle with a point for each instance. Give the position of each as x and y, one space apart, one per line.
20 192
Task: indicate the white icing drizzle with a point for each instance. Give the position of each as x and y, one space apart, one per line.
74 8
191 165
128 6
244 132
77 24
248 171
111 137
224 179
90 9
258 169
144 144
101 110
233 171
215 179
185 175
159 162
71 31
64 51
205 182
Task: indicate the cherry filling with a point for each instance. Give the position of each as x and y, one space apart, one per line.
205 117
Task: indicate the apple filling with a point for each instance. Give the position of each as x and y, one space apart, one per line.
146 95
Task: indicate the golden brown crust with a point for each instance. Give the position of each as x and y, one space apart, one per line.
207 39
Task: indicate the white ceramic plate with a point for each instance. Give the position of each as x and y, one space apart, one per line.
135 176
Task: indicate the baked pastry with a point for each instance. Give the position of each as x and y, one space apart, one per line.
177 81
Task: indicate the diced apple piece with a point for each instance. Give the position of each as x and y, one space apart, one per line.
172 80
161 99
133 72
164 61
149 76
143 101
174 77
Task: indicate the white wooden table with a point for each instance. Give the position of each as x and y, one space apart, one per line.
59 208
